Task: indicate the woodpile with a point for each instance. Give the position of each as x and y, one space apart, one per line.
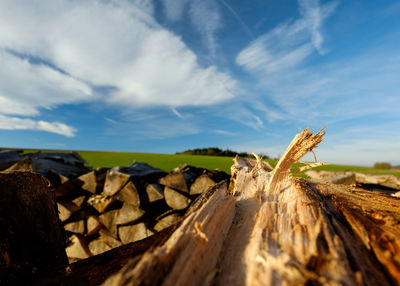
105 208
264 228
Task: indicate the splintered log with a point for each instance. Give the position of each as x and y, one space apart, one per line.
271 229
31 236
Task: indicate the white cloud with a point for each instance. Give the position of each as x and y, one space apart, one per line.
113 43
26 87
16 123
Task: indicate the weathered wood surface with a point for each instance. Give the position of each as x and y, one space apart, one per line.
31 236
270 229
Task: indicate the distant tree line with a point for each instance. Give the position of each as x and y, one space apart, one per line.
214 151
383 165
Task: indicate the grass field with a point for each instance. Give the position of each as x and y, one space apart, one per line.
167 162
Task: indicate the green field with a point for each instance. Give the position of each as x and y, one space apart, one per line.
167 162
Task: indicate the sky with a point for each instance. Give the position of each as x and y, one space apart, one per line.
163 76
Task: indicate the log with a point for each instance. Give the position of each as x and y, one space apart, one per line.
201 184
31 236
78 248
89 182
98 246
115 180
167 221
128 214
129 195
175 199
132 233
271 229
66 208
109 238
101 203
75 226
175 181
155 192
93 225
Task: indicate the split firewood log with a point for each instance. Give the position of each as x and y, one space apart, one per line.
176 181
98 246
129 195
78 249
89 182
201 184
101 203
115 180
66 208
93 225
75 226
31 236
155 192
175 199
167 220
132 233
128 214
271 229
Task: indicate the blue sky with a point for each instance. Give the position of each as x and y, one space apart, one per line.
169 75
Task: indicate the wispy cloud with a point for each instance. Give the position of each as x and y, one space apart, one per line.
207 20
204 16
176 112
224 132
173 9
244 26
289 44
16 123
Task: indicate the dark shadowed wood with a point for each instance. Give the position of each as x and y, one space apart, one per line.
31 235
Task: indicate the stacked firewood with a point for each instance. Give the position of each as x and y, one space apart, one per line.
105 208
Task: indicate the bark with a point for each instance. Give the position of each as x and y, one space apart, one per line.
31 236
